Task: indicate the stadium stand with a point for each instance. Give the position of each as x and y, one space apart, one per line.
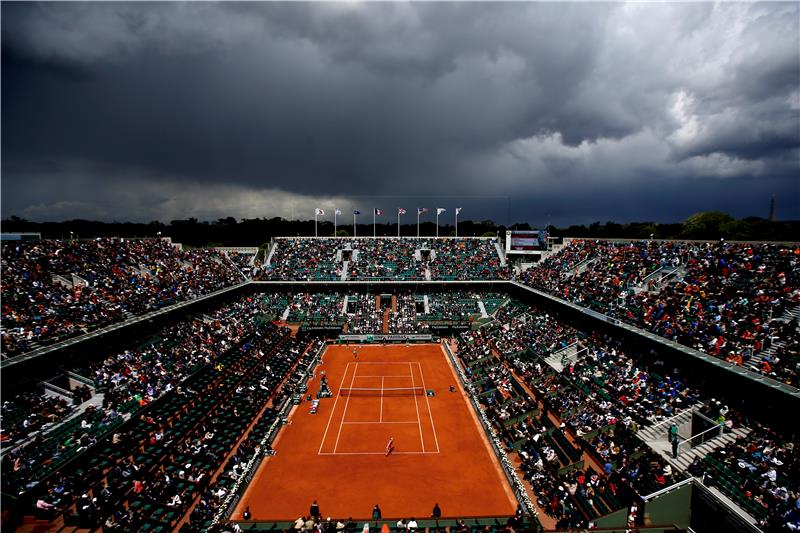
304 259
724 299
171 425
760 473
386 259
465 259
54 289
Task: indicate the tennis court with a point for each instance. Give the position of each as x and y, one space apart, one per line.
379 400
338 455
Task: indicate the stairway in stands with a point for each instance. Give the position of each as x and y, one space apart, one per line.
793 313
572 352
655 437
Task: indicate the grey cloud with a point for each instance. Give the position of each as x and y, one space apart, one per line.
346 99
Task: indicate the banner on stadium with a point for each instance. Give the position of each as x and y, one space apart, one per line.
381 338
449 327
332 327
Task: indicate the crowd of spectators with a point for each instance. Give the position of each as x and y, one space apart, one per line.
598 274
404 259
304 259
466 259
364 316
317 309
130 380
456 306
600 398
403 320
194 458
784 361
760 471
726 299
55 289
28 413
386 259
245 262
158 465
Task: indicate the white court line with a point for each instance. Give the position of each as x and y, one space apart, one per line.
363 377
419 422
381 417
384 363
344 414
427 400
321 444
378 453
390 422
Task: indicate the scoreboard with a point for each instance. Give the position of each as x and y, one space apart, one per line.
526 242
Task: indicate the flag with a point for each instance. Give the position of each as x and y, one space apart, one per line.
401 211
422 210
356 212
458 210
319 211
440 210
378 212
338 212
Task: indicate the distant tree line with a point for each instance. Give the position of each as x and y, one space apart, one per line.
256 231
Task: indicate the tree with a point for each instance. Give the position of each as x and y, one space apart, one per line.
705 225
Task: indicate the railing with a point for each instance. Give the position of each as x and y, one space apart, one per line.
670 419
665 490
58 390
718 427
77 377
646 279
739 514
624 529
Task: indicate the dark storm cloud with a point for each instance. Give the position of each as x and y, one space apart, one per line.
150 110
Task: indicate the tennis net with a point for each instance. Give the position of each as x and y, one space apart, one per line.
398 391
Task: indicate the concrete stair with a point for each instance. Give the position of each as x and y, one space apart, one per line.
658 431
655 437
501 254
755 362
580 267
685 457
270 253
572 352
663 277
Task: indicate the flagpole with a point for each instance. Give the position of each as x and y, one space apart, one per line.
456 222
418 223
315 224
373 222
334 222
354 223
437 222
398 223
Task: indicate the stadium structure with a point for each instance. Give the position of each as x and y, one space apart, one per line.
524 383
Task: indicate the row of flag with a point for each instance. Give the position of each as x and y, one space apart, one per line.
378 212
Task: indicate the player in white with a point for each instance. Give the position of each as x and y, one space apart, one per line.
390 446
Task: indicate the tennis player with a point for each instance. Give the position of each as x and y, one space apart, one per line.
390 446
355 352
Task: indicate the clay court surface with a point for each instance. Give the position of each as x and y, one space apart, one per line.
337 456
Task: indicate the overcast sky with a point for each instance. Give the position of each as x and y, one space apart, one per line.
514 111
